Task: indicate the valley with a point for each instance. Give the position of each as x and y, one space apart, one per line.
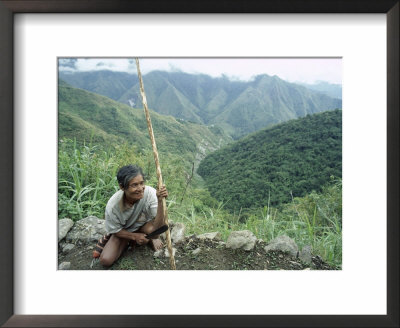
266 153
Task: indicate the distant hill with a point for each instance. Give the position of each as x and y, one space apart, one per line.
331 90
295 157
107 83
237 106
269 100
88 116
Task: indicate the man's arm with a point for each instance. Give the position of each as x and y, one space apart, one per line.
137 236
159 218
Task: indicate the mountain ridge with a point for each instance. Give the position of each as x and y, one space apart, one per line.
86 116
330 89
238 106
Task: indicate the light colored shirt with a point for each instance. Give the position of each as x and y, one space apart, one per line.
120 216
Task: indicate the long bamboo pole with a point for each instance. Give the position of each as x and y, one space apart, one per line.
156 160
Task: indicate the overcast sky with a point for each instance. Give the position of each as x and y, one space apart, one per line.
307 70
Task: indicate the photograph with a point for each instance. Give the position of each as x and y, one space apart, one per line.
238 160
249 151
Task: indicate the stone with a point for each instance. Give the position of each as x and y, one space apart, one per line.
64 266
283 243
166 253
89 229
244 239
67 248
178 233
62 244
305 254
64 225
210 235
158 253
196 251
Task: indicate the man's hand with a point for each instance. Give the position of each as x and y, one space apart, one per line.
162 193
140 238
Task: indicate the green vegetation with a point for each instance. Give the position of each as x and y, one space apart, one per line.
87 116
107 83
98 136
87 175
87 179
292 158
237 106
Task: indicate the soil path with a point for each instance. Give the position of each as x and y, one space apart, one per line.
213 255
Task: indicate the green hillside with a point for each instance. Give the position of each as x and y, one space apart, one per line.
87 116
270 166
270 100
240 107
107 83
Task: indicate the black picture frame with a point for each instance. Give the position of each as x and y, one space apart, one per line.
10 7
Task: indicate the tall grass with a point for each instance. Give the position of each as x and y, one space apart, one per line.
87 179
87 176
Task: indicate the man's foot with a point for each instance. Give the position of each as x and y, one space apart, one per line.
156 244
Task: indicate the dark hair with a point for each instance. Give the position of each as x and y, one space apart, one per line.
127 173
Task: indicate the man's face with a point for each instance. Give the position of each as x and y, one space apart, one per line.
135 190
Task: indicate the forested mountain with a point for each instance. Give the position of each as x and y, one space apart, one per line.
237 106
330 89
269 100
88 116
107 83
272 165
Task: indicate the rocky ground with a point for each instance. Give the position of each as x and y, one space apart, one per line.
204 252
211 256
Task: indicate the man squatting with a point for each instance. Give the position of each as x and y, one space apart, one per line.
132 212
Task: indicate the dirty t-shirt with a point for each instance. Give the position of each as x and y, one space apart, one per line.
120 216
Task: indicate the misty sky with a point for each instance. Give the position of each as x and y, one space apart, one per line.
306 70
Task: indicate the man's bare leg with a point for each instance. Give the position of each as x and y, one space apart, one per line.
113 250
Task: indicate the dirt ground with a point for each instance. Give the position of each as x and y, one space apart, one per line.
213 255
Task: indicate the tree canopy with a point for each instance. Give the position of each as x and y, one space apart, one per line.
273 165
